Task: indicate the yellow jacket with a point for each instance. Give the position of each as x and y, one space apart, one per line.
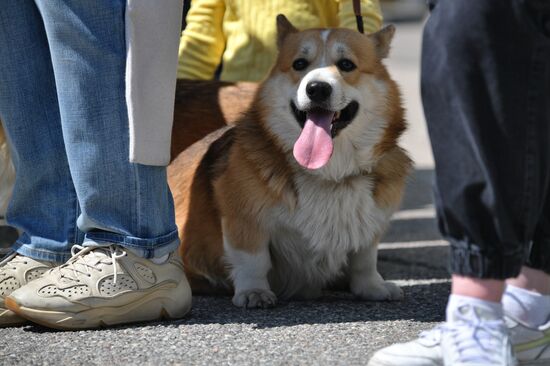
242 33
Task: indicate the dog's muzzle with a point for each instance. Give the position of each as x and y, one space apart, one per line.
340 120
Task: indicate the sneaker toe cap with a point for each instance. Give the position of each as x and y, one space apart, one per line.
409 354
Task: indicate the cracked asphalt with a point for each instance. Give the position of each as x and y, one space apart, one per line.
334 330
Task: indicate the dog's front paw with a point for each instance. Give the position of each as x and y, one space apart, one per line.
378 291
255 298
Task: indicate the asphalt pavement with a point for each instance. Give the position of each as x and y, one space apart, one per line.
334 330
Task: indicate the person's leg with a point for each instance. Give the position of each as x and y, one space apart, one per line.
527 297
532 280
535 275
481 62
526 301
121 202
489 144
124 203
127 209
490 290
490 140
44 204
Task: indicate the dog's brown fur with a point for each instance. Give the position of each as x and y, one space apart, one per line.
203 106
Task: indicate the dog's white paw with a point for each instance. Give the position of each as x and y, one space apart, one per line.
255 298
378 291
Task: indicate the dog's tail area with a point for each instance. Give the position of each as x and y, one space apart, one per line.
7 174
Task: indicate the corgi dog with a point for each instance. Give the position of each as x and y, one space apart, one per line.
295 197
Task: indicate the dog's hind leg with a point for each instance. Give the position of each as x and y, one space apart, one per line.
366 282
246 251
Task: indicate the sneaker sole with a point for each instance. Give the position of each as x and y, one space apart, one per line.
378 362
9 319
155 306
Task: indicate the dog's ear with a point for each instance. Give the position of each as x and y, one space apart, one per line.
284 28
382 40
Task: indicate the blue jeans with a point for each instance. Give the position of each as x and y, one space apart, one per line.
486 94
62 101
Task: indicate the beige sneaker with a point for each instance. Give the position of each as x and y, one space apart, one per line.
16 271
103 286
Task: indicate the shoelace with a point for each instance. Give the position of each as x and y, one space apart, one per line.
8 258
471 333
85 258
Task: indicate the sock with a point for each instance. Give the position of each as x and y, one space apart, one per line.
486 309
529 307
161 259
157 260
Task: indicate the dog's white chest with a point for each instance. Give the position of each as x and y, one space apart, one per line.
330 221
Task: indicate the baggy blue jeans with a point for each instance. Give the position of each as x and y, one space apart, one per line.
62 102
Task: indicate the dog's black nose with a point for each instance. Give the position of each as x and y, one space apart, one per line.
318 91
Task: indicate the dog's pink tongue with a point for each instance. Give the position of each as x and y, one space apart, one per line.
313 148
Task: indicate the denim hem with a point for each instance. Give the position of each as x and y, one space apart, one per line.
41 254
147 248
472 261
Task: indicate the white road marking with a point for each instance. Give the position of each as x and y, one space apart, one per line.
413 244
419 213
433 281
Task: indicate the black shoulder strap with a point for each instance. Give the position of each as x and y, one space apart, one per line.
358 16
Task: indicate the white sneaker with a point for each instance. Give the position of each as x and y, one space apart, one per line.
531 346
103 286
16 271
473 338
423 351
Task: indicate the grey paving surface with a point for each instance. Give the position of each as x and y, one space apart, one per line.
335 330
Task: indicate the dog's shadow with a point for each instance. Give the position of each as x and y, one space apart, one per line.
421 304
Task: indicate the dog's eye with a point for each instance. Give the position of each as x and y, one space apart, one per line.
346 65
300 64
